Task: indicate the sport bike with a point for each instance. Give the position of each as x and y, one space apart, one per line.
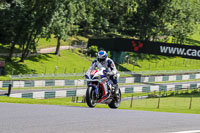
100 89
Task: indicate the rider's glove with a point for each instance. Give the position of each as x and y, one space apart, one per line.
105 72
86 76
110 73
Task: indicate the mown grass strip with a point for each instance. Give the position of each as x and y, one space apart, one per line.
170 104
178 103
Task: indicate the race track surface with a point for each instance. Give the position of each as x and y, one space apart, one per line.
26 118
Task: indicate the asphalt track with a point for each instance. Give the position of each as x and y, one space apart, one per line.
26 118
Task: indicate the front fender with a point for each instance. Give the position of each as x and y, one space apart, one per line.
96 90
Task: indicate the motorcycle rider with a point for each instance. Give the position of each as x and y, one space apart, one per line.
102 60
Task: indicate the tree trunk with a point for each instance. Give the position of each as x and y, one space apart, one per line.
18 32
26 50
11 51
58 47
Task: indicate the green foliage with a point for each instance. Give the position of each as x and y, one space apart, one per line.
64 21
182 19
109 55
149 19
24 22
107 16
92 51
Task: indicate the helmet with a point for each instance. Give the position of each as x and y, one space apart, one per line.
102 55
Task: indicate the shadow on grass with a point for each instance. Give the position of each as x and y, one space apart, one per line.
188 95
121 68
149 83
151 57
192 42
15 68
40 57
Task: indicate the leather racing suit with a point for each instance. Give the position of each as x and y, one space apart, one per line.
109 65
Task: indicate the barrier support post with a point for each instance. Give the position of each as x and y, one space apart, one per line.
9 89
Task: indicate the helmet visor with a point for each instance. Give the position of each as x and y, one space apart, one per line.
101 60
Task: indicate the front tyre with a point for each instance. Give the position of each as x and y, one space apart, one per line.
90 97
116 100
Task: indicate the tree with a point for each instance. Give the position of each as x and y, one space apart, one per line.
147 20
183 18
10 23
65 19
107 17
40 14
87 19
23 22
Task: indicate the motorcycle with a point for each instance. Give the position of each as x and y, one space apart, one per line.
100 90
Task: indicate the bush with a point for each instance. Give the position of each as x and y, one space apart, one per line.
109 55
92 50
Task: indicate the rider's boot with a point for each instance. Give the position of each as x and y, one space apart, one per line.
109 89
115 87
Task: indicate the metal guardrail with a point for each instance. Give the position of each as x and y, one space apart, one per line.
161 72
27 76
44 75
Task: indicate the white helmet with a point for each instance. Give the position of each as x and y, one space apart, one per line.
102 55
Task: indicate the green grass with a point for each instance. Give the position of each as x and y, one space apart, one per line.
195 38
163 63
74 62
176 104
68 62
169 104
57 101
52 42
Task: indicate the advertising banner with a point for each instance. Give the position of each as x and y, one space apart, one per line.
2 67
2 63
158 48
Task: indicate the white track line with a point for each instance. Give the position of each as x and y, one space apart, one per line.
192 131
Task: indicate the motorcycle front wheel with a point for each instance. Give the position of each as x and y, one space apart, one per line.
116 100
91 97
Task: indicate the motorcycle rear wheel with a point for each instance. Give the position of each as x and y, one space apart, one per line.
116 100
90 97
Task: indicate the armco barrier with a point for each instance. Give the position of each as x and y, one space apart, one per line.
81 92
137 79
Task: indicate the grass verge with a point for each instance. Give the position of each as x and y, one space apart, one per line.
181 103
160 63
169 104
57 101
68 62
